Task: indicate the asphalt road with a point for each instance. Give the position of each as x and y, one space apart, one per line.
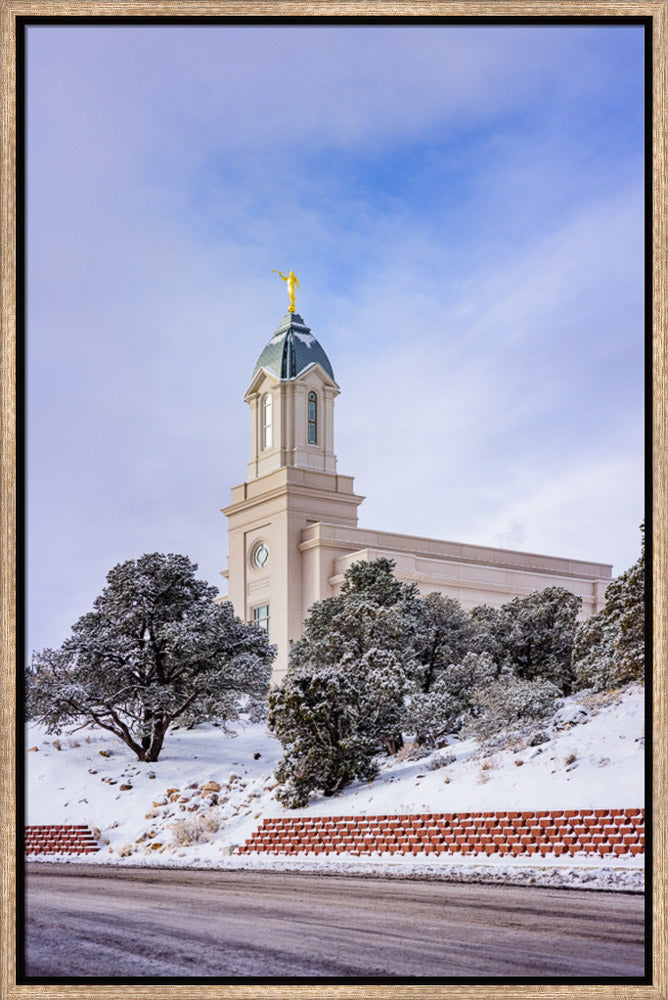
104 922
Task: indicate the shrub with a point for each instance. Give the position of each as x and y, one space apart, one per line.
508 704
195 829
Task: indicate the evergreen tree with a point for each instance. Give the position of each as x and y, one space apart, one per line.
442 634
342 699
491 628
154 649
610 645
532 637
432 716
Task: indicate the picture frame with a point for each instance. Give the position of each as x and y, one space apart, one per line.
13 13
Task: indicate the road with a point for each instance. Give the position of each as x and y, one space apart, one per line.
102 922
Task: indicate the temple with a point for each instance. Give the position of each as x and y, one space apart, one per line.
293 523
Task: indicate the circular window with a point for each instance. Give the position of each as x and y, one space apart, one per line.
260 555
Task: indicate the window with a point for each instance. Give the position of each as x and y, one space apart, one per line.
266 421
261 617
260 555
312 418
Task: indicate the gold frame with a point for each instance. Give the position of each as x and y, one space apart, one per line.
12 9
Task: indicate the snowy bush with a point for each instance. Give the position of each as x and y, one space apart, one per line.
439 761
196 829
509 704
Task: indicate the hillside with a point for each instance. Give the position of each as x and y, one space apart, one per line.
593 757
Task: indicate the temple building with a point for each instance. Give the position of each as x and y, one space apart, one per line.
293 522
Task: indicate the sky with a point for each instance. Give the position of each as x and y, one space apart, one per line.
463 207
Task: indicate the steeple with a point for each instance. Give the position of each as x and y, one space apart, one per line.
291 399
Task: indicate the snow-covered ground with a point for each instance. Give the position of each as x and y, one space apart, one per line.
166 814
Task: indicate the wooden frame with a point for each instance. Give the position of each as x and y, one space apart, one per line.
13 9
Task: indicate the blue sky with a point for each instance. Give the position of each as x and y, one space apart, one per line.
463 207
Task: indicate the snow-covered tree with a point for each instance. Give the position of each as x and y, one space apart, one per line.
435 714
532 637
442 634
610 645
154 649
342 699
319 715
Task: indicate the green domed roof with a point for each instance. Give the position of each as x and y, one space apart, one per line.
292 350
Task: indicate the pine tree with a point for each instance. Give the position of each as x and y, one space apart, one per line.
342 699
610 645
532 637
154 649
443 710
442 634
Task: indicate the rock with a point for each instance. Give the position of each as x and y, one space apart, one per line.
126 788
210 786
256 756
32 748
151 775
570 715
104 753
171 791
538 737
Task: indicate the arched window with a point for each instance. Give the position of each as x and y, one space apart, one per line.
266 421
312 418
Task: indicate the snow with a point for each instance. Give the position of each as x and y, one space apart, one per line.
593 759
306 338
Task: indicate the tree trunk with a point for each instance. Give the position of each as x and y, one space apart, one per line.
160 727
393 744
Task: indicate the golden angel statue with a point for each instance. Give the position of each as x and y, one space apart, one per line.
293 282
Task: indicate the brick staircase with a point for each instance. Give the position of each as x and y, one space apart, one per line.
60 840
601 832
